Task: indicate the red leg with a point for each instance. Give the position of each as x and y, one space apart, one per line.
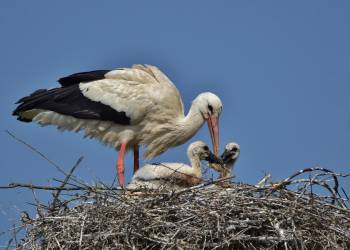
120 164
136 157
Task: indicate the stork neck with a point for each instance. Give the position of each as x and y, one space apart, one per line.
228 169
196 165
190 124
232 163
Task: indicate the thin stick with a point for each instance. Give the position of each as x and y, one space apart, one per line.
31 186
37 151
57 194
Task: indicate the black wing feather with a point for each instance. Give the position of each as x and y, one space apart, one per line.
69 101
88 76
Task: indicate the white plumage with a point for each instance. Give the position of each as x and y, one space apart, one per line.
173 176
124 108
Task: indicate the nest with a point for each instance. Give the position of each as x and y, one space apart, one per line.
283 215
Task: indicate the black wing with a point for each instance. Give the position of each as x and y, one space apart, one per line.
83 77
69 101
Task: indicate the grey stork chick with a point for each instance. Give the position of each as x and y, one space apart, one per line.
229 158
174 176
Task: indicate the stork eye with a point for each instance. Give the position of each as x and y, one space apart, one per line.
206 148
210 108
235 149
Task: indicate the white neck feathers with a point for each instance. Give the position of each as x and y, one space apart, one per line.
190 124
196 166
176 133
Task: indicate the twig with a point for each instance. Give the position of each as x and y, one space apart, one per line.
37 151
57 194
81 232
30 186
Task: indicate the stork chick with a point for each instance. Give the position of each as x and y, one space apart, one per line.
174 176
229 158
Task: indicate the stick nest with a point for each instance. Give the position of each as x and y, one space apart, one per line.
208 216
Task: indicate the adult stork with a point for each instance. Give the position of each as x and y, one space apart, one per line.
123 108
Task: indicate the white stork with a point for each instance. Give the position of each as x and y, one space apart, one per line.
123 108
229 157
174 175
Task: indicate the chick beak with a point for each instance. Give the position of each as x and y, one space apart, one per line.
212 158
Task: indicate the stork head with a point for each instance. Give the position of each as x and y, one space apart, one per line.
201 150
230 154
210 106
229 158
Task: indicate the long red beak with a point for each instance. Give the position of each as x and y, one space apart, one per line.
213 124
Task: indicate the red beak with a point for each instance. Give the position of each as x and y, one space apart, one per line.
213 124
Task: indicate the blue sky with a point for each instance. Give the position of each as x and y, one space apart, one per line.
281 69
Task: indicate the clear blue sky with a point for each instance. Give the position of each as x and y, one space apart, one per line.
281 69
